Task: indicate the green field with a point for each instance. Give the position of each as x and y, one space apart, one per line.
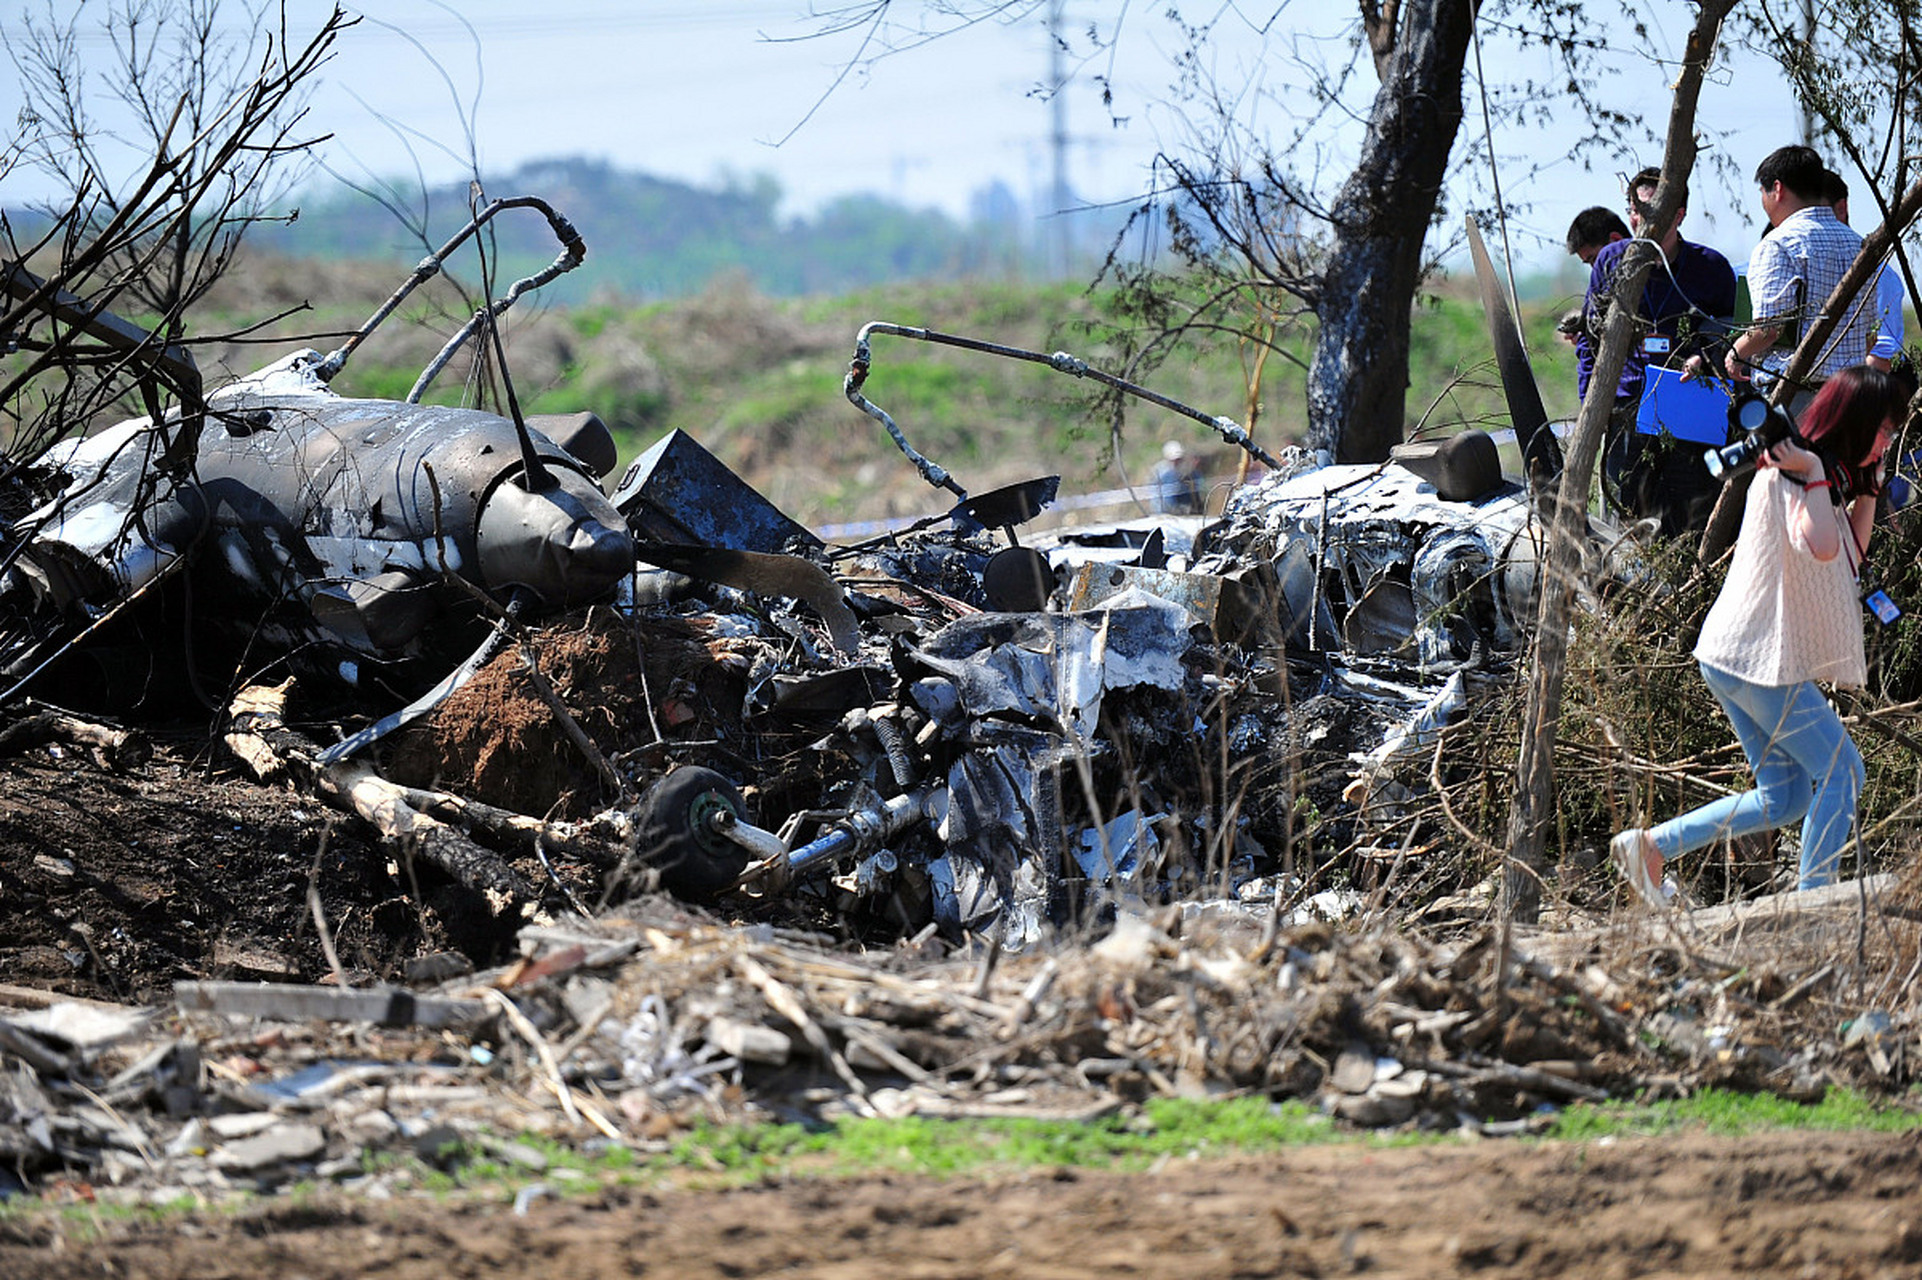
758 379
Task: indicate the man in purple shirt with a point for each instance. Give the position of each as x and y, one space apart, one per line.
1593 228
1687 299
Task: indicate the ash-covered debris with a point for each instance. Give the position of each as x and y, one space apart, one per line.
274 521
1432 568
952 788
987 760
946 725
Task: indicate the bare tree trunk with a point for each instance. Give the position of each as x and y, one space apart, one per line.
1535 772
1358 381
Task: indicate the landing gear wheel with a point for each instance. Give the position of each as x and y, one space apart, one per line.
674 836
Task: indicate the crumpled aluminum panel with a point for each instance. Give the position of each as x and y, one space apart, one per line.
1396 567
1053 668
679 492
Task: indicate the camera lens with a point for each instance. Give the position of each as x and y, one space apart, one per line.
1732 460
1751 412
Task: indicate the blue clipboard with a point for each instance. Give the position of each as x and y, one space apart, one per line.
1696 411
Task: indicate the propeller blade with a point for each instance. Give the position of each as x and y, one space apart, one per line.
1541 452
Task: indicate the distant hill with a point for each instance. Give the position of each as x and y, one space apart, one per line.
651 238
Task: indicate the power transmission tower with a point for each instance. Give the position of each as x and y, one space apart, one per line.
1059 226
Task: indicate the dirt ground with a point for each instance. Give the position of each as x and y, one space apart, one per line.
115 885
1803 1205
118 880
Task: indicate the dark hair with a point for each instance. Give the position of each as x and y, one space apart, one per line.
1846 416
1835 189
1796 167
1594 225
1652 177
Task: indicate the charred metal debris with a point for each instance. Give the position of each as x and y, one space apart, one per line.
952 725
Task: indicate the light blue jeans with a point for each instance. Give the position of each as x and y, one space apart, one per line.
1804 764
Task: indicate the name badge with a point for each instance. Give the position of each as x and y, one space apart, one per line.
1655 344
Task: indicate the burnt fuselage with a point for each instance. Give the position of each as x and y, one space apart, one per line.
341 535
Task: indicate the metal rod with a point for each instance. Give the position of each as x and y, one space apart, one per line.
1060 361
573 253
863 830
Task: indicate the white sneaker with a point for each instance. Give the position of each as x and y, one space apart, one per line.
1626 852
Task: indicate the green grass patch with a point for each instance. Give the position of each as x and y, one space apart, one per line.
372 381
1163 1128
84 1224
720 1156
1720 1111
757 379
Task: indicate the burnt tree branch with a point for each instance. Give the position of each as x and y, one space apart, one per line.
1528 817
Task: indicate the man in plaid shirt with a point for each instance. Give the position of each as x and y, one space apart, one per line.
1794 270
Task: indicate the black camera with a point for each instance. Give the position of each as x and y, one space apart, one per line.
1761 425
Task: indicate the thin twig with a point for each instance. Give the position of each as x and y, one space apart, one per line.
783 1002
320 915
572 728
530 1033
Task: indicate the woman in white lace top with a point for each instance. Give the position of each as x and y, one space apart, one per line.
1788 619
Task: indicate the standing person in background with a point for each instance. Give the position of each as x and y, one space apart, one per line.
1687 300
1787 617
1791 274
1891 330
1593 229
1177 481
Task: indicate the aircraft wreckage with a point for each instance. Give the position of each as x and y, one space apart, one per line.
1005 736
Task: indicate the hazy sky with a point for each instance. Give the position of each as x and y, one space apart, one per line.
691 89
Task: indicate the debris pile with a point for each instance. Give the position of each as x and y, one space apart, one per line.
859 735
939 725
998 827
629 1029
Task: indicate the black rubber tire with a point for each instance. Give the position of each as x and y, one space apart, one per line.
672 835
